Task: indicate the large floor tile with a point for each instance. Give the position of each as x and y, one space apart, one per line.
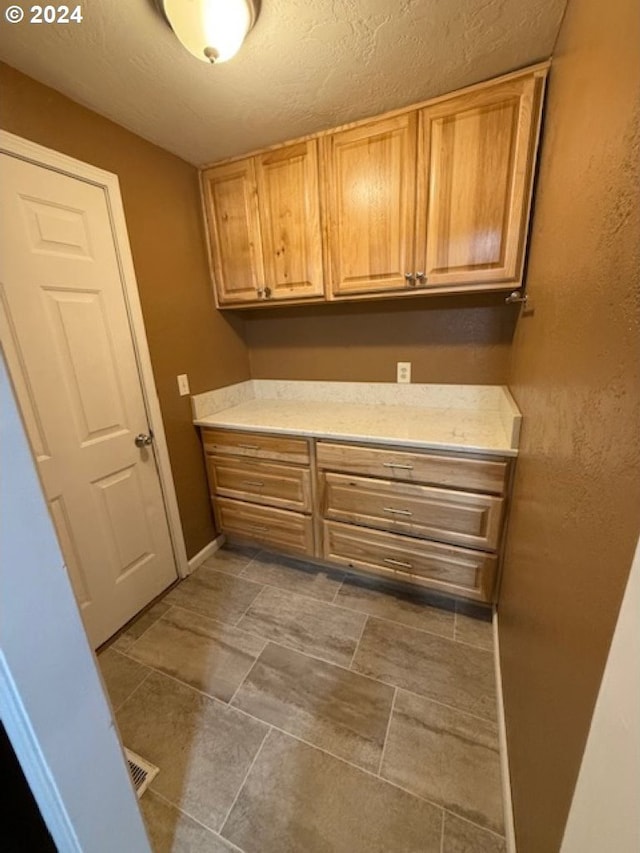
309 626
331 707
475 632
231 559
214 594
298 799
138 626
446 756
388 602
208 655
441 669
463 837
172 831
202 747
121 675
294 575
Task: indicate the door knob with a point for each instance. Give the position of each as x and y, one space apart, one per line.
143 440
421 278
410 278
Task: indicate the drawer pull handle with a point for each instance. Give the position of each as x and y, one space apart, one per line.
249 446
258 527
398 465
256 483
399 563
396 511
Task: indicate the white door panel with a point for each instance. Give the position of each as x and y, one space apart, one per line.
66 333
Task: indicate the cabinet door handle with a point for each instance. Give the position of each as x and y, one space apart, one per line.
397 465
410 278
396 511
249 446
399 563
256 483
421 278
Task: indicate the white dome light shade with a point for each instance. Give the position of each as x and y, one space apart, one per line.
212 30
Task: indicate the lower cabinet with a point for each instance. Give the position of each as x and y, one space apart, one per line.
434 520
283 486
273 528
452 570
461 518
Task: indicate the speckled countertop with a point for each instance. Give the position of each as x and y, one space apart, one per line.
481 418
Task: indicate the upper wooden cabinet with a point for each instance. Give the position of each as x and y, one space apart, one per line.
289 203
432 198
371 201
234 231
474 171
263 215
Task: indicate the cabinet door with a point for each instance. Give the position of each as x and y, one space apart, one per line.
475 162
234 231
288 198
371 199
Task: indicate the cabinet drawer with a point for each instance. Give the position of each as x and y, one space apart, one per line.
277 447
274 528
447 568
260 482
450 516
454 471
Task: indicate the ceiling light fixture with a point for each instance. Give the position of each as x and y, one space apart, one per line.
212 30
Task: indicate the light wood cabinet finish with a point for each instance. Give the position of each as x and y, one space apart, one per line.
256 444
475 164
289 203
234 231
458 517
255 496
421 517
283 486
449 569
432 198
460 472
371 199
263 215
273 528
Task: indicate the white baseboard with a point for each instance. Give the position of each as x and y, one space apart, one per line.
208 551
509 826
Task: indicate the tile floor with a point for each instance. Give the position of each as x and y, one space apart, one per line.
295 710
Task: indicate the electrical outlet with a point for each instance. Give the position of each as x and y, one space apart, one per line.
403 371
183 384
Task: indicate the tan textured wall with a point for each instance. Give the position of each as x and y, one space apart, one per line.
576 377
161 202
453 339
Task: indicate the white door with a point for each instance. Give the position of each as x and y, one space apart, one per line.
65 331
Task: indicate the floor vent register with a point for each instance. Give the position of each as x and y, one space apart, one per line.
142 773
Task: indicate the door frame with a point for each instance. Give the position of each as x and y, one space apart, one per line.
32 152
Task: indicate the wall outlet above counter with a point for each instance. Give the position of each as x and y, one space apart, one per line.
403 372
183 384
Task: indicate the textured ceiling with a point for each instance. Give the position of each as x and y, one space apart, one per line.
306 66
